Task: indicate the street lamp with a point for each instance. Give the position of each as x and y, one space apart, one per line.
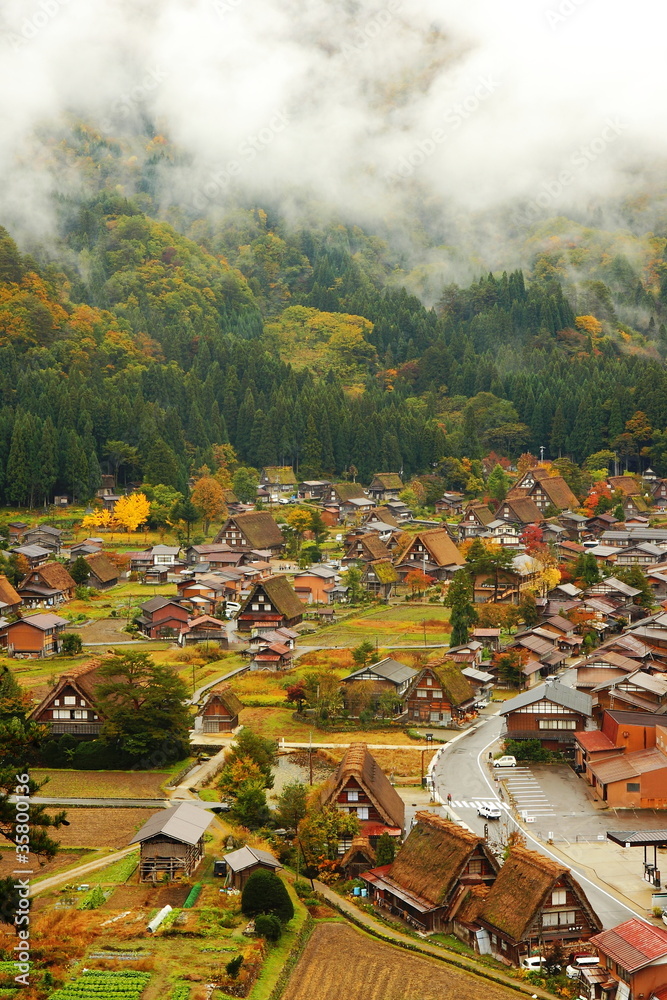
541 453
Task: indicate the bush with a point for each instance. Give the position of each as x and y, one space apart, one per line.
71 643
302 889
268 926
265 892
232 968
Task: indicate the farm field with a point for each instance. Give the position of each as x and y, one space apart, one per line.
96 828
277 722
102 784
403 624
372 970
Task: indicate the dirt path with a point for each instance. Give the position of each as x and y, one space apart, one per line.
74 874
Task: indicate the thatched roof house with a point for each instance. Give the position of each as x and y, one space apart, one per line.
432 872
272 603
361 787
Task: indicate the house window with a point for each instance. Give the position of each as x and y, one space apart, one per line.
436 693
558 897
57 701
559 918
429 681
421 694
69 700
353 796
475 866
255 607
362 812
633 786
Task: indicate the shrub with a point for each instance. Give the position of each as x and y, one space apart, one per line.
232 968
265 892
268 926
71 643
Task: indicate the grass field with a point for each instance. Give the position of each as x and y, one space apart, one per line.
97 828
403 624
371 970
102 784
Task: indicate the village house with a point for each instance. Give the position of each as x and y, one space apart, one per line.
639 691
552 491
550 713
172 842
383 517
451 504
520 510
634 957
635 779
47 586
278 481
239 865
527 481
252 530
385 486
481 682
359 786
379 577
505 533
71 706
162 616
272 603
658 491
620 732
366 547
33 637
601 666
533 902
507 586
476 519
629 486
358 858
387 675
432 551
438 696
314 585
36 555
432 872
88 547
342 493
46 536
206 593
103 572
271 656
10 600
205 628
313 489
219 712
16 530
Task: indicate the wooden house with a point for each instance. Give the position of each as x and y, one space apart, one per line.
432 872
438 695
633 956
533 902
71 706
385 486
10 600
358 858
383 516
520 510
342 493
172 842
550 713
220 711
47 586
507 586
252 530
46 536
271 602
628 486
16 530
240 865
36 555
380 577
314 585
162 617
33 637
638 691
451 504
431 551
552 491
204 628
103 573
476 519
360 786
632 780
366 547
272 656
278 481
385 675
313 489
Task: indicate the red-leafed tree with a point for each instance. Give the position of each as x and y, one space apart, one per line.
418 581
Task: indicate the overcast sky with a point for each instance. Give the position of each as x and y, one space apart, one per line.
540 105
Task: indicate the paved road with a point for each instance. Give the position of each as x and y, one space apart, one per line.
44 800
461 771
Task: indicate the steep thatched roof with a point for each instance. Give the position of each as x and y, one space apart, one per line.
525 509
520 890
433 857
372 544
349 491
559 493
438 544
102 567
224 694
258 527
387 481
281 594
279 475
456 687
360 765
384 570
382 514
54 576
7 593
360 845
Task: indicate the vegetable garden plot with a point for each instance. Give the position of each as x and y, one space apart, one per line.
100 985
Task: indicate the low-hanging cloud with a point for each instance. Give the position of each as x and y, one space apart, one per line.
364 108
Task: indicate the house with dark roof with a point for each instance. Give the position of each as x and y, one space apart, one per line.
385 486
552 491
47 586
162 616
639 691
252 530
313 489
239 865
431 874
387 675
520 510
271 603
431 551
450 503
634 957
533 901
438 695
172 842
33 637
36 555
271 656
359 786
103 573
46 536
550 713
219 712
71 706
366 547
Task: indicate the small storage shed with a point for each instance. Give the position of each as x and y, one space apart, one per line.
172 841
242 863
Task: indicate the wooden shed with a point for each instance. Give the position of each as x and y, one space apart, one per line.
172 841
242 863
220 711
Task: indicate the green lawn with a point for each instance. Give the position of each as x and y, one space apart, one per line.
401 624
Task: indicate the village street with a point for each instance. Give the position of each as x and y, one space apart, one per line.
554 799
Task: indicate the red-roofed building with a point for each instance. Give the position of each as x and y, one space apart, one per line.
590 747
635 956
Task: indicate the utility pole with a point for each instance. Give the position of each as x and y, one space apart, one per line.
310 757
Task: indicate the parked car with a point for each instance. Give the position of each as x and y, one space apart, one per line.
581 962
489 811
535 963
232 606
506 761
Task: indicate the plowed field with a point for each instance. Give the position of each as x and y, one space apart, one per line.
340 962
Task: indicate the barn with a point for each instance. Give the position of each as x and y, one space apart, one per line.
172 842
220 711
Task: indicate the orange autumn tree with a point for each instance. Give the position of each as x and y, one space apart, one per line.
208 497
599 499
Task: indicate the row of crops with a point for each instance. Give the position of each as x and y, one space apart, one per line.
181 991
97 984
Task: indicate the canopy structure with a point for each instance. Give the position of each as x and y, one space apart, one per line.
647 839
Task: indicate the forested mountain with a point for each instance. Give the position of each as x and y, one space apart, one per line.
135 347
